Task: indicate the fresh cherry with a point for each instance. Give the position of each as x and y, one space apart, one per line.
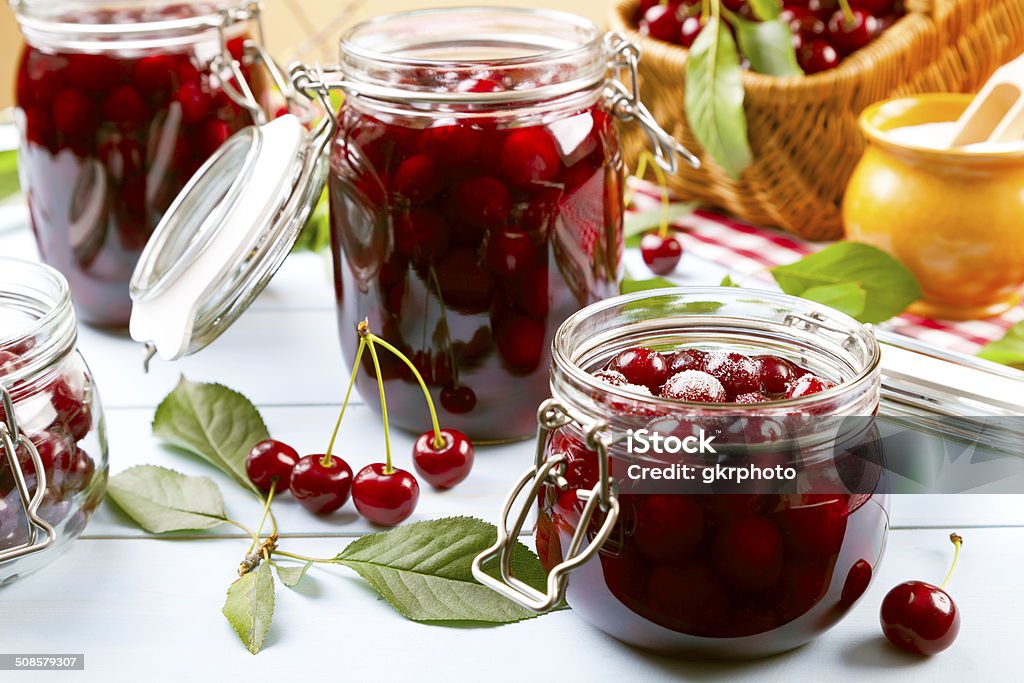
385 497
270 461
641 366
850 35
694 385
689 30
321 488
919 617
815 56
661 254
446 465
661 22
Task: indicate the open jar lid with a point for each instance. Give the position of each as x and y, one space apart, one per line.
225 236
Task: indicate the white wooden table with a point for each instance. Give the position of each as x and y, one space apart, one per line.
141 608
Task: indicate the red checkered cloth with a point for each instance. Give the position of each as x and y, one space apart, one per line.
748 252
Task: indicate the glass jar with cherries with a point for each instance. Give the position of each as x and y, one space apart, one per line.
53 449
709 469
118 104
476 201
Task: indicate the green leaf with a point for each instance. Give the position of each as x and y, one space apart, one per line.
768 45
214 422
727 281
8 173
424 571
630 286
249 607
765 10
848 297
889 287
316 234
291 575
639 223
1009 350
162 500
714 98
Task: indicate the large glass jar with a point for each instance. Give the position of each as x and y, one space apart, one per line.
476 202
118 104
57 424
717 569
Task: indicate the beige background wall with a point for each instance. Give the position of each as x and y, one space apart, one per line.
291 23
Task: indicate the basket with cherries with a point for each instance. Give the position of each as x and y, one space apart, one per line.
823 32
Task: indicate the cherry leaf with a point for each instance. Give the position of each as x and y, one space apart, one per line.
889 287
249 607
847 297
630 286
161 500
1009 350
765 10
216 423
291 575
768 45
424 571
714 98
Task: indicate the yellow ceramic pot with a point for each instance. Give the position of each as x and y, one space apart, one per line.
954 217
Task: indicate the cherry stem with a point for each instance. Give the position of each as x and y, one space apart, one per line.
438 439
326 460
958 542
305 558
263 520
388 469
444 320
848 17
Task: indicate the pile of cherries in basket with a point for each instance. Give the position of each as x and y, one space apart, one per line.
690 374
824 32
64 405
382 493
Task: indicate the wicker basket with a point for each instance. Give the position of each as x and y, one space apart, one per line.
803 130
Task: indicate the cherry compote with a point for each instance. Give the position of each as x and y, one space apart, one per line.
466 240
109 139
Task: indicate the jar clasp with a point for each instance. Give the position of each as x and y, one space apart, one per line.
11 438
549 470
623 94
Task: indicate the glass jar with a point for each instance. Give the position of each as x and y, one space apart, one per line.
119 104
53 447
476 202
707 569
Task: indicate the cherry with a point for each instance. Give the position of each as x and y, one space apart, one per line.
92 72
692 594
483 201
321 483
520 341
270 461
529 156
661 254
458 399
808 384
385 497
817 525
124 106
694 385
644 367
876 7
74 113
446 465
803 22
452 145
921 618
465 284
509 251
848 36
775 373
736 372
749 553
815 56
668 527
195 102
686 359
213 134
751 398
857 581
661 22
417 179
153 74
689 30
530 291
72 407
613 377
734 5
420 234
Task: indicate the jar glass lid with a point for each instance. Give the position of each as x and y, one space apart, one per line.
225 235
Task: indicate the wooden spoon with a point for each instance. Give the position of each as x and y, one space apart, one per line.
996 114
